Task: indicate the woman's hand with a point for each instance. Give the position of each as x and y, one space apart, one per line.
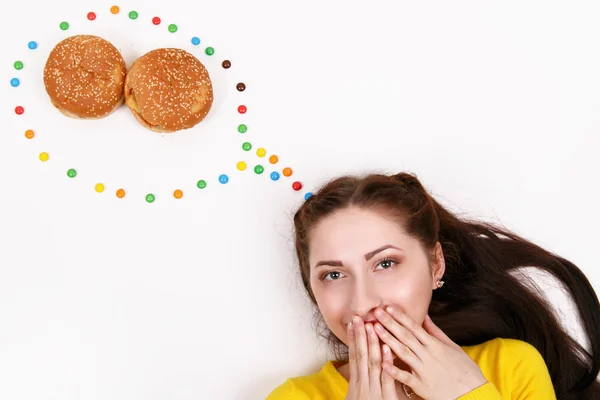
441 370
367 378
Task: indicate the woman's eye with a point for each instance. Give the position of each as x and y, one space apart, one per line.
385 264
332 276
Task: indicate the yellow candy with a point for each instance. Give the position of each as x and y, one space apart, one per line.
99 188
261 152
241 165
44 157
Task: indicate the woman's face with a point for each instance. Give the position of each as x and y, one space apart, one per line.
361 260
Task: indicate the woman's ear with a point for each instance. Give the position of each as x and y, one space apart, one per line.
438 266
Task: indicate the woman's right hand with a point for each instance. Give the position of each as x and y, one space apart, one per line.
368 380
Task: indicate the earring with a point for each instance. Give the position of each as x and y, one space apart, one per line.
439 284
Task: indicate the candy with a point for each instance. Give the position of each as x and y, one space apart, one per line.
273 159
133 14
242 109
241 87
226 64
247 146
19 110
71 173
296 186
242 128
44 157
261 152
156 21
287 172
99 188
14 82
29 134
241 165
32 45
195 41
120 193
223 179
201 184
178 194
172 28
115 9
259 169
64 25
150 198
18 65
91 16
275 175
209 51
307 195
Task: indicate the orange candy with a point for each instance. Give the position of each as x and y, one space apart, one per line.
120 193
287 172
273 159
114 9
178 194
29 134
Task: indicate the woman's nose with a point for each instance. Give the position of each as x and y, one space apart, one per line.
365 298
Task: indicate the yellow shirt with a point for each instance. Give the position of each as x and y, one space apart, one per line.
515 370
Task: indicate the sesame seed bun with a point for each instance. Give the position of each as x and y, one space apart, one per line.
168 90
85 76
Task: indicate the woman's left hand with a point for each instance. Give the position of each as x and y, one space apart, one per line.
441 370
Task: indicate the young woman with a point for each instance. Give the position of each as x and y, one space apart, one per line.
420 304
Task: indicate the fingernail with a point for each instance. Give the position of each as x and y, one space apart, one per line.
379 312
369 328
386 349
390 310
350 325
356 321
379 328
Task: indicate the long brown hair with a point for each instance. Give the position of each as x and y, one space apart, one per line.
482 298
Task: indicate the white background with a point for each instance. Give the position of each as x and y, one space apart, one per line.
495 106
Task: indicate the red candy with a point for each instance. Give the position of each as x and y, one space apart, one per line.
19 110
91 16
242 109
156 21
296 186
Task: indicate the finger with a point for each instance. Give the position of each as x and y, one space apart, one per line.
399 349
374 360
408 323
362 351
388 385
402 376
435 331
403 334
352 355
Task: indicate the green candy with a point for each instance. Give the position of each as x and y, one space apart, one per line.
150 198
247 146
201 184
133 14
71 173
64 25
259 169
242 128
210 51
18 65
172 28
